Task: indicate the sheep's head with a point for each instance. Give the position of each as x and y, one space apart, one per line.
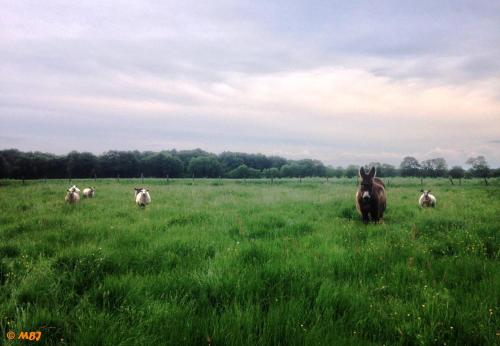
426 193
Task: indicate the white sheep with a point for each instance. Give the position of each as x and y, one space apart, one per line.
72 196
427 200
142 197
89 192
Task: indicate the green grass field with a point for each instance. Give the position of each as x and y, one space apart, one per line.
249 263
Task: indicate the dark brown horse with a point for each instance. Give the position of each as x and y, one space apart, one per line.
370 197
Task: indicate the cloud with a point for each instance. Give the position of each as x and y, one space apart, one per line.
343 82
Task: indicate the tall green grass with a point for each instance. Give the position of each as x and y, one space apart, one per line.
229 262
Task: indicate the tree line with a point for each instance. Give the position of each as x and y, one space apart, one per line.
198 163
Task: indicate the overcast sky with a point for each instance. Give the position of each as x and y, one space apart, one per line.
341 81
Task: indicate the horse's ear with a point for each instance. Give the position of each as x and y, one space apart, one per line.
362 173
421 190
372 172
429 191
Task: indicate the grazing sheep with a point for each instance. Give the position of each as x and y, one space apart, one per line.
142 197
427 200
72 196
89 192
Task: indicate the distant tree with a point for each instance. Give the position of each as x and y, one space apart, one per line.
230 161
243 171
204 166
4 167
123 163
456 172
479 167
440 166
12 157
388 170
161 165
290 170
57 167
410 167
434 167
338 172
383 169
257 161
271 173
27 166
310 168
351 171
186 155
81 165
277 161
329 172
495 172
41 163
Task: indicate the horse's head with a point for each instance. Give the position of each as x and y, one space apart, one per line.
366 184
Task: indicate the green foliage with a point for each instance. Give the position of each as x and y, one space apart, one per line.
176 164
351 171
271 172
410 167
457 172
479 167
161 165
204 167
383 169
434 167
81 165
243 171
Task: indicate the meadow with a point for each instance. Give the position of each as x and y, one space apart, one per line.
233 262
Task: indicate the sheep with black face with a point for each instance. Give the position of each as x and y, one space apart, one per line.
72 195
142 197
426 199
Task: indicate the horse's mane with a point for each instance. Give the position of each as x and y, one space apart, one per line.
378 181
